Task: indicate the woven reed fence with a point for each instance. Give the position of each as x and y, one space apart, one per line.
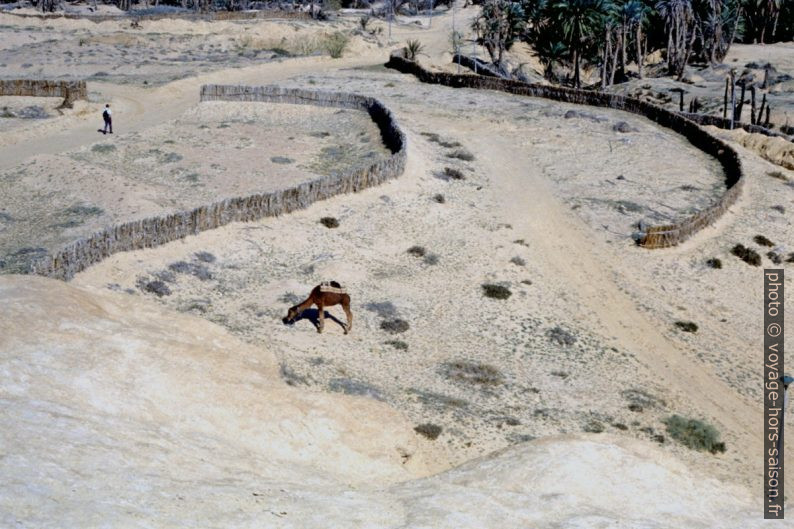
70 91
660 236
150 232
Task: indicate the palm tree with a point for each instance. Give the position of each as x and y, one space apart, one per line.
499 26
678 16
579 20
550 53
637 15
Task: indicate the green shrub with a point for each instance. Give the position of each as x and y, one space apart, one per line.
694 434
496 291
760 240
329 222
335 44
412 49
687 326
714 263
429 430
398 344
461 154
453 174
417 251
747 255
472 373
395 326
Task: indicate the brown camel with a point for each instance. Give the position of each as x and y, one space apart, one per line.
323 295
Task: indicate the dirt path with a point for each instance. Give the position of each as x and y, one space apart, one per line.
564 248
137 109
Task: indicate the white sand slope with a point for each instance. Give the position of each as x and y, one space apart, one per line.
119 413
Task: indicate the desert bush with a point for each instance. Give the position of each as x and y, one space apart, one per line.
364 22
398 344
281 160
453 174
747 255
329 222
472 373
790 258
417 251
694 434
103 148
561 336
593 427
431 259
714 263
355 387
518 261
412 49
778 174
760 240
687 326
157 287
461 154
291 378
491 290
774 257
335 44
205 257
439 198
429 430
641 399
195 269
394 326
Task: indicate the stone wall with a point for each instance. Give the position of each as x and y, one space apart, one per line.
650 236
70 91
146 233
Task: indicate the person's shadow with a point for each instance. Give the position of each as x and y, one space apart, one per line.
102 131
313 315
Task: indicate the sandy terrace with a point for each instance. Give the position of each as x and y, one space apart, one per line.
18 112
546 218
159 52
215 150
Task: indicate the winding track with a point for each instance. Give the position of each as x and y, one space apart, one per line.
562 243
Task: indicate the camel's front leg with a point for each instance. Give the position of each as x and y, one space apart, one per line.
320 318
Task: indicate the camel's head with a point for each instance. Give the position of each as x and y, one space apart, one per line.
292 313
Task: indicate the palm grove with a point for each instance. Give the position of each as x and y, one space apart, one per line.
617 36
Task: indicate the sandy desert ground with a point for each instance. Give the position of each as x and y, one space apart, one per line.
537 197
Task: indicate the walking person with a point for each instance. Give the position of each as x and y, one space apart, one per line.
108 120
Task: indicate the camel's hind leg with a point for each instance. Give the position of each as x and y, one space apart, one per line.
320 318
346 308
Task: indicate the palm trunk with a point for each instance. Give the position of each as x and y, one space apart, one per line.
639 49
576 81
614 62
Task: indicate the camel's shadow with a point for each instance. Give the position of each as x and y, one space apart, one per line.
313 315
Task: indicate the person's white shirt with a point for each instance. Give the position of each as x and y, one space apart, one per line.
107 109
